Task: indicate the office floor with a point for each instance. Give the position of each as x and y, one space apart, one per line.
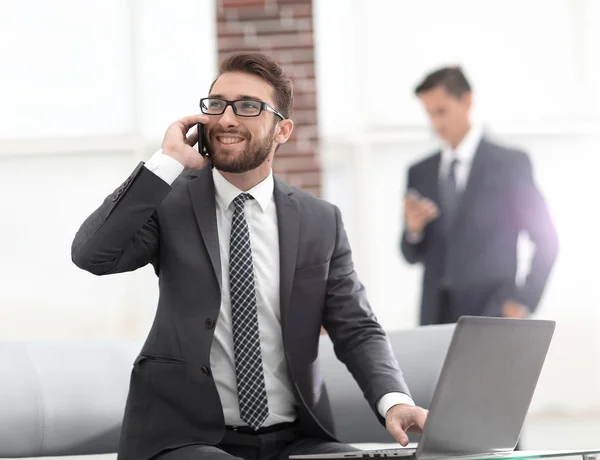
540 434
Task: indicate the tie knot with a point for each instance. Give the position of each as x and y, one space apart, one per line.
239 200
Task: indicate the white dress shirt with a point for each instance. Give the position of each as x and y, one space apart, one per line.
464 153
261 217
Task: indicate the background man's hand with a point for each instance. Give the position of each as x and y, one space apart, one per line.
418 212
513 309
178 145
403 418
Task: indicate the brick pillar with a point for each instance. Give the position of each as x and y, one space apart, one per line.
283 29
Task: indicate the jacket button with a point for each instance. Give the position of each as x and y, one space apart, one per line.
115 196
209 323
205 370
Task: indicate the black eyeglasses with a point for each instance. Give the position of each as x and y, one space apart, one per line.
241 107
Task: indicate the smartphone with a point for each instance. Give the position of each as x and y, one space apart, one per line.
202 150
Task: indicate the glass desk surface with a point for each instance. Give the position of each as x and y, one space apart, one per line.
586 454
526 454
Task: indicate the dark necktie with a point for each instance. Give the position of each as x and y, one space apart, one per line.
449 194
252 395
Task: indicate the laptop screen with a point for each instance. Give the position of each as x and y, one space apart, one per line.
486 386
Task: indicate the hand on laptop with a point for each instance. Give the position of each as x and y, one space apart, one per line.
403 418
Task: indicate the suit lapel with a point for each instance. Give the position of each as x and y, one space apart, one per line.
431 187
288 222
202 195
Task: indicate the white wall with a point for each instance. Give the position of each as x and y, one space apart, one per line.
535 66
87 89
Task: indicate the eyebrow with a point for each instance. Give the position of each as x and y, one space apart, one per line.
243 97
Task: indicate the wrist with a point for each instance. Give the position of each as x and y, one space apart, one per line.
173 154
390 400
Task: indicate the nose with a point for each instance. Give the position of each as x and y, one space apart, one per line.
228 118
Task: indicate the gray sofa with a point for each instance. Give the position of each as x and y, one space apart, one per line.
61 398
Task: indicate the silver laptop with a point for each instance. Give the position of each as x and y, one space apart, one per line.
483 393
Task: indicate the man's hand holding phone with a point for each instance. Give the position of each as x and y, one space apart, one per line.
418 212
180 146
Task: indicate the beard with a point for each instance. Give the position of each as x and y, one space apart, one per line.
254 155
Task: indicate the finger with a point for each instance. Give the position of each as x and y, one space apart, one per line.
192 136
432 214
420 417
427 209
431 210
423 209
427 203
188 122
398 433
422 214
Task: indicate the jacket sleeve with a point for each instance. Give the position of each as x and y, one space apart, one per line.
122 234
532 215
359 340
412 250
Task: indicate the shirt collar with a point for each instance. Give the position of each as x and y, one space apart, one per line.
226 191
467 148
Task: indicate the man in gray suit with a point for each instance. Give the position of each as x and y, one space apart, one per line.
249 270
464 209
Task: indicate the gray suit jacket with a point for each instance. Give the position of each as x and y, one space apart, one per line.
173 400
478 256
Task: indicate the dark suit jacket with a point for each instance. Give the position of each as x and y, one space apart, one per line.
173 400
480 249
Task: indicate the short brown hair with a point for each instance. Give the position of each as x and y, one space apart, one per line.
262 66
452 79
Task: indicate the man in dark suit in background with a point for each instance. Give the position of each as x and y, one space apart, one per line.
249 270
464 209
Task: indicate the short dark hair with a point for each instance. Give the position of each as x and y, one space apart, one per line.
262 66
452 79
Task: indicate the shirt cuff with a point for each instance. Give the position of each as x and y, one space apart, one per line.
391 399
414 237
165 167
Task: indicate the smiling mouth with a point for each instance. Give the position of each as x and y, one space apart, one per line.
229 140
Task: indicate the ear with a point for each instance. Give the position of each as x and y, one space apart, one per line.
467 100
283 131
